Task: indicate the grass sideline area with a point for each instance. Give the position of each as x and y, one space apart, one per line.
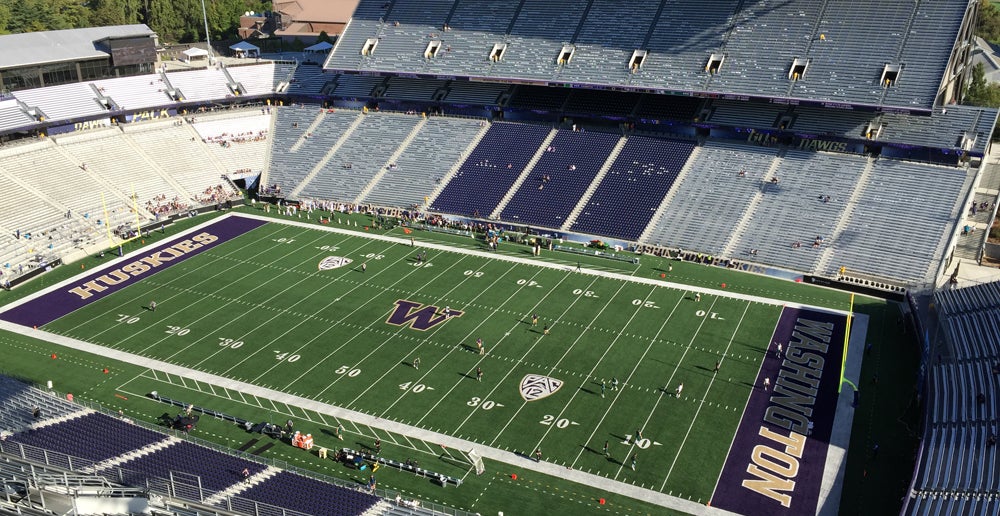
588 307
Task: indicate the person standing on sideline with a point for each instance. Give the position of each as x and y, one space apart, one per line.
677 391
538 454
767 382
697 297
578 267
634 456
378 446
606 453
416 363
152 306
778 352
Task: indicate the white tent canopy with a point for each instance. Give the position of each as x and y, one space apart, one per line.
194 53
246 49
322 46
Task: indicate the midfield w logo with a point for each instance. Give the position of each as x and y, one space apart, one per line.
418 316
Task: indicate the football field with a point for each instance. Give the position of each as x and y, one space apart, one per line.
604 373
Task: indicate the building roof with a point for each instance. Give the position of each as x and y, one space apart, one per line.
321 11
52 46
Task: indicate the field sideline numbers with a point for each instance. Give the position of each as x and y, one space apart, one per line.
584 293
127 319
344 369
474 274
416 388
177 330
549 419
711 315
286 357
230 343
483 404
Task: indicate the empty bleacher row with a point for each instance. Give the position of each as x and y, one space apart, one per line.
845 44
959 459
65 435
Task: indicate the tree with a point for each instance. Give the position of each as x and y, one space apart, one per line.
980 92
324 37
988 25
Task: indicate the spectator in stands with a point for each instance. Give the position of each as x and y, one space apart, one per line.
991 440
742 173
36 412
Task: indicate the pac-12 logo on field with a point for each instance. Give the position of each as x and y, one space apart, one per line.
535 386
334 262
419 316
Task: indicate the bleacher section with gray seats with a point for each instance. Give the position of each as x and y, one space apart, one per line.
607 39
931 36
412 89
767 36
185 160
710 201
18 399
840 122
12 116
539 33
288 169
924 196
475 93
858 39
366 151
258 79
308 79
796 209
63 102
200 85
138 92
688 31
745 114
238 143
354 86
61 179
117 163
941 130
475 26
434 150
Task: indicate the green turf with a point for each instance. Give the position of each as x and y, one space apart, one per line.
323 335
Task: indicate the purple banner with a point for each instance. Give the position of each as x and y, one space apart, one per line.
775 466
87 289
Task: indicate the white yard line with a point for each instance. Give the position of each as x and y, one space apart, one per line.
649 346
670 380
702 402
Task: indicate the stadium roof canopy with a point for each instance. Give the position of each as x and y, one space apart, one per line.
34 48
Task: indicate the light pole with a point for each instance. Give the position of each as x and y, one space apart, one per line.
208 38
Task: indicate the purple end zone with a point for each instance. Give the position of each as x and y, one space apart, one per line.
87 289
775 465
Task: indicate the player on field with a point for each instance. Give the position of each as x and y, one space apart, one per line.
606 454
416 363
677 391
152 306
602 388
614 383
479 345
545 330
479 374
634 456
534 319
718 363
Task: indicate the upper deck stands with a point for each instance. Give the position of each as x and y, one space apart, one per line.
63 102
846 44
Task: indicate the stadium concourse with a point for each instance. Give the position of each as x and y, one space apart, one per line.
816 141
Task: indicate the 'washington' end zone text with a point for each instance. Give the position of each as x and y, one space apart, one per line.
776 461
773 467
